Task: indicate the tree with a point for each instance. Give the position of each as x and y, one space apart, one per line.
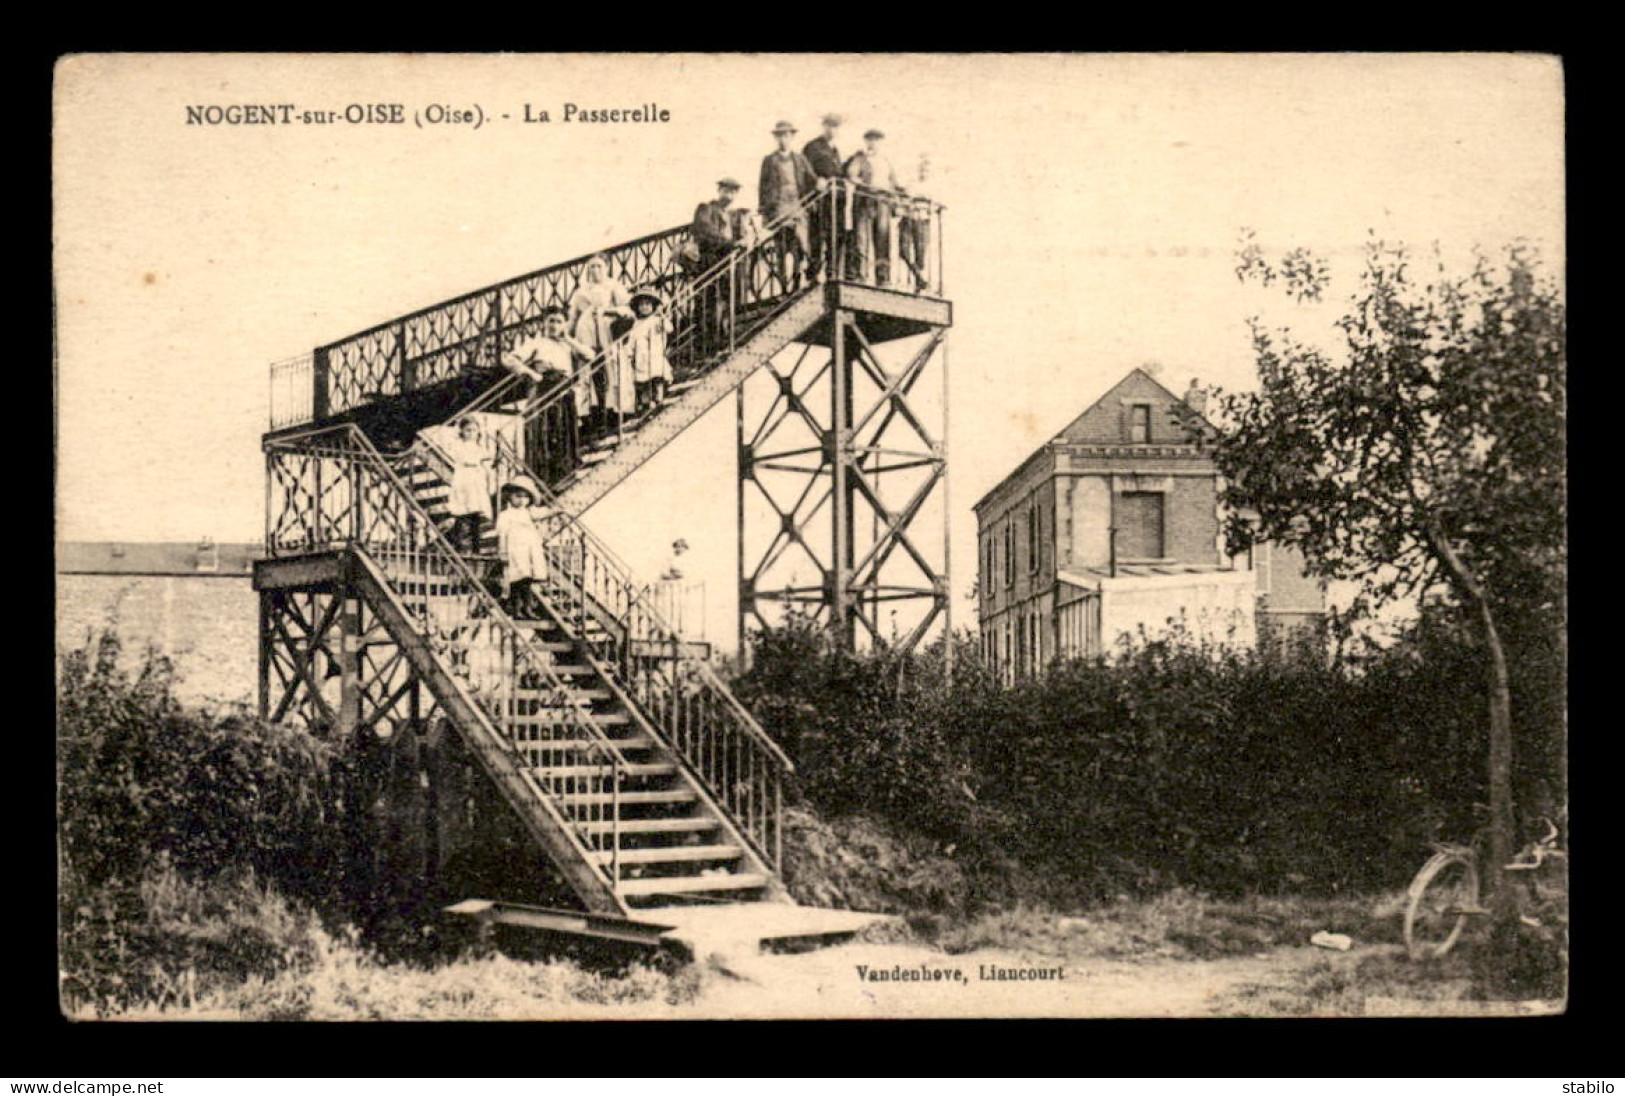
1425 455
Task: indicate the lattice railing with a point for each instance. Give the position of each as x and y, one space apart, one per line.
331 489
467 332
870 236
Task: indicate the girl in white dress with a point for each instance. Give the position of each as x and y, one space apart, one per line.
646 349
521 533
469 502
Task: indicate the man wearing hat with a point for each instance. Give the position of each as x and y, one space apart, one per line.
786 179
872 170
825 160
712 236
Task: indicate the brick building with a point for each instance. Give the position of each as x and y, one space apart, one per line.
192 600
1114 526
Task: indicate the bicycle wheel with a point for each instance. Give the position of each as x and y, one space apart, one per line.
1446 885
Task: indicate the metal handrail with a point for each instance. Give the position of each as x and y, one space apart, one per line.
596 753
633 590
431 344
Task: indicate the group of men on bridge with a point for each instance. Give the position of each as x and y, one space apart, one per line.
811 238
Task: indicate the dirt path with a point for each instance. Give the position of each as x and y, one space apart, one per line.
840 983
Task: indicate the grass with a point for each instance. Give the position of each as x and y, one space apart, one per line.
1345 987
232 948
170 947
346 983
1178 924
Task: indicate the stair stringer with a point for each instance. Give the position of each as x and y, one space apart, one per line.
597 481
486 744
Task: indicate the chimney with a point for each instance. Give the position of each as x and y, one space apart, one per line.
208 555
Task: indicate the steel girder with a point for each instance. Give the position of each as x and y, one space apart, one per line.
327 661
837 465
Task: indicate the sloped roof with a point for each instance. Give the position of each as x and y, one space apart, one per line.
1101 421
152 558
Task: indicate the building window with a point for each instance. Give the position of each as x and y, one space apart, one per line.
1035 525
1140 525
1009 553
1139 423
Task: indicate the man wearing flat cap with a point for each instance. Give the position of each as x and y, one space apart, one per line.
786 180
712 237
825 160
873 171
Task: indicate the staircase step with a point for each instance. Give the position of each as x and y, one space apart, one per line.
561 772
673 795
672 854
651 825
688 884
634 742
564 669
543 719
576 693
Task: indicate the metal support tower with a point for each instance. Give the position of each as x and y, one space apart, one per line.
842 468
327 661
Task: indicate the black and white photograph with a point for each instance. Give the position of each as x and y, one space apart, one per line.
810 536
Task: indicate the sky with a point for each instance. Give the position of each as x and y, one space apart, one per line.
1093 209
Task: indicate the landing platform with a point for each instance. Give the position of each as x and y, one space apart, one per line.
888 313
741 928
747 927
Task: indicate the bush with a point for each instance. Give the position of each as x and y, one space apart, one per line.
855 863
1174 764
138 776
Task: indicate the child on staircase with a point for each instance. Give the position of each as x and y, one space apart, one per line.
646 349
522 532
469 501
